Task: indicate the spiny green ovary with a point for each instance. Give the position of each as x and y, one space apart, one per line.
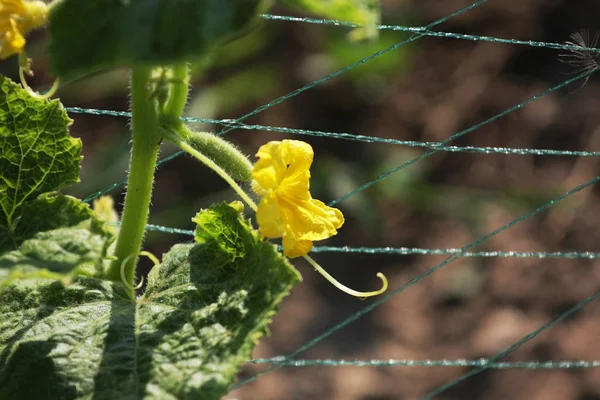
36 153
222 152
187 337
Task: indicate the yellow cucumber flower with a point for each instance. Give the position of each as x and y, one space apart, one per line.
287 209
17 18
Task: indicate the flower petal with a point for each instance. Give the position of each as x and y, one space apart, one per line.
9 7
312 219
298 157
17 18
269 169
12 40
284 166
269 218
292 247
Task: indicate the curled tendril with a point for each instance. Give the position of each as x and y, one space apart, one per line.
25 69
33 93
129 257
345 289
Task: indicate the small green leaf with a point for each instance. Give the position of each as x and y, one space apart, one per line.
91 35
221 226
204 309
37 155
364 12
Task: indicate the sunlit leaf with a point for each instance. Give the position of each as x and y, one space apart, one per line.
204 309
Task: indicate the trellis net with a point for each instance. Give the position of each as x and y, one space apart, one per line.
453 143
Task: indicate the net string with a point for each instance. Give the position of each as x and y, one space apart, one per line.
304 88
407 251
482 362
426 32
452 257
359 138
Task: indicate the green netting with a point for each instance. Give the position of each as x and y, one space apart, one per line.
482 362
454 253
362 138
407 251
426 32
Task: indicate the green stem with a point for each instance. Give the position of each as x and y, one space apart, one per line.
146 141
178 90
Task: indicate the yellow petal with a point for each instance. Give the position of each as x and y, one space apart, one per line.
298 157
17 18
269 169
292 247
281 177
34 15
269 218
284 166
12 42
10 7
312 219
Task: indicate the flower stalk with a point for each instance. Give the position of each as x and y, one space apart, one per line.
178 90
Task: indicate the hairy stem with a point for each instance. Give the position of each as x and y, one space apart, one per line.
146 141
178 90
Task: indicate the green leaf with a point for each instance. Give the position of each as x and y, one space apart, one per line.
57 234
49 211
91 35
61 250
204 309
36 153
364 12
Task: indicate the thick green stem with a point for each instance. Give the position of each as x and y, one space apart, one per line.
146 141
178 90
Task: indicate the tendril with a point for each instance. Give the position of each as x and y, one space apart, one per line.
345 289
151 256
33 93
